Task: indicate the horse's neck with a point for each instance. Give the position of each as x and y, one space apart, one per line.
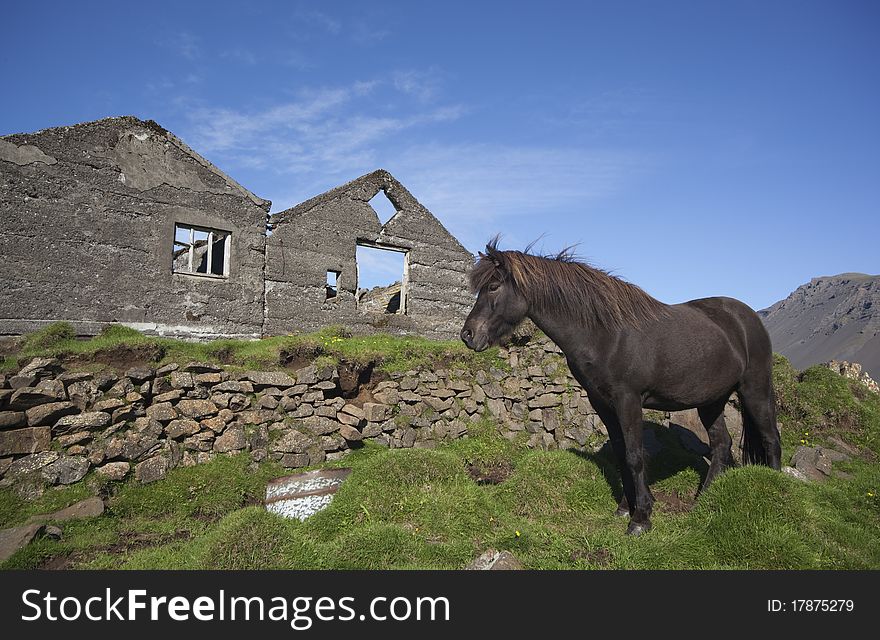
571 336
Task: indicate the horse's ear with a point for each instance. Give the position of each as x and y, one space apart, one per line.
496 256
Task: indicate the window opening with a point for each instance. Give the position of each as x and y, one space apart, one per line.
200 251
382 279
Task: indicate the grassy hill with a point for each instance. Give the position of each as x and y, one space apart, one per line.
415 508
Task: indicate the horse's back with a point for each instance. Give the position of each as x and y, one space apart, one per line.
740 323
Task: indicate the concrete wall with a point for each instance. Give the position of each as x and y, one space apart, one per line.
88 216
322 234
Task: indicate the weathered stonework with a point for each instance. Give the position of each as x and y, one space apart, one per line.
89 213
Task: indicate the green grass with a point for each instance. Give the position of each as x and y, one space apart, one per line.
419 508
332 345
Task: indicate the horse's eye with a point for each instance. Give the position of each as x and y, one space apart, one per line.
494 286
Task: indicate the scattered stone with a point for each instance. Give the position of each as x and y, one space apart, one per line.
234 386
88 508
66 470
28 440
162 412
151 470
114 470
41 367
12 419
307 375
270 379
292 442
17 538
795 473
168 368
90 420
350 433
31 463
139 375
201 367
197 409
233 439
492 560
182 427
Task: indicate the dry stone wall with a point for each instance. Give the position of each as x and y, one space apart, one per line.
56 426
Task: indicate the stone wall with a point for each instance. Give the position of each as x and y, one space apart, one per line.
56 425
88 215
322 235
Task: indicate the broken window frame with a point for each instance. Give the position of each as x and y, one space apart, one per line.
404 279
334 287
209 258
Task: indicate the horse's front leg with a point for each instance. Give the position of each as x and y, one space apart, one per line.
629 416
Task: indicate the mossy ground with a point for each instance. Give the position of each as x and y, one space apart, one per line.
420 508
119 344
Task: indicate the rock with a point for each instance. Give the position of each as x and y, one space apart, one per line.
234 386
82 421
105 380
201 367
168 368
320 426
83 393
208 379
66 470
233 439
182 427
307 375
294 460
492 560
42 367
47 414
28 440
270 379
88 508
267 402
114 470
197 409
108 405
19 381
169 396
348 419
292 442
546 400
816 462
75 438
139 375
151 470
350 433
162 412
374 412
28 397
16 538
182 380
215 424
12 419
794 473
31 463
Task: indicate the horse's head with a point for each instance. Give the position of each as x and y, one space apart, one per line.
499 308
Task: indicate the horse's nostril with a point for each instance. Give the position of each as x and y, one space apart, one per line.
466 334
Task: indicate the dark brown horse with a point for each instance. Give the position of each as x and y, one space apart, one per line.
629 351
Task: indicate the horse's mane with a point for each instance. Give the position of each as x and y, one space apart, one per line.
564 285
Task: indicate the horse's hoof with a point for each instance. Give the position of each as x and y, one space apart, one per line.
637 529
622 513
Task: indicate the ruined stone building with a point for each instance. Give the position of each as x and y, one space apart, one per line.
119 221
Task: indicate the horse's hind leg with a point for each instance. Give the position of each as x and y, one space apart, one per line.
712 417
760 433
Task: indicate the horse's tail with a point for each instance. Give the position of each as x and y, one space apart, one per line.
752 442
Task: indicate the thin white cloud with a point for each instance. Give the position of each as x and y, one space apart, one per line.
185 44
423 85
477 189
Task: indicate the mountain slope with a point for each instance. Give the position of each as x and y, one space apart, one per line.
831 317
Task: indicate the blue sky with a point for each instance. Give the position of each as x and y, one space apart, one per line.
694 148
